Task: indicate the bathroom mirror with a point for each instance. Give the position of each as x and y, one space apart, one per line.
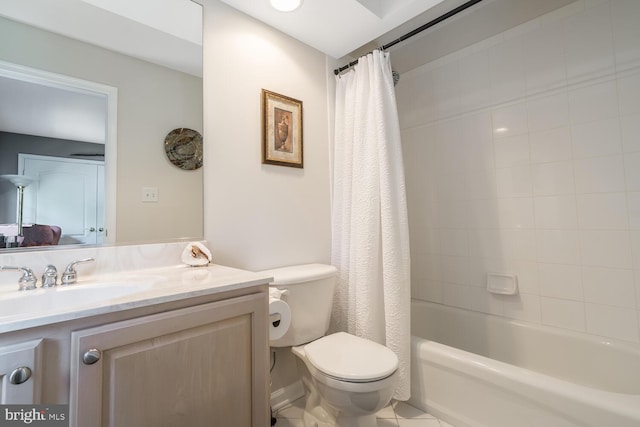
151 99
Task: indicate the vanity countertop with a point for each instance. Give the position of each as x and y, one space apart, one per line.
97 295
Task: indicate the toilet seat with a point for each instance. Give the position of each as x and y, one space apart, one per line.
348 358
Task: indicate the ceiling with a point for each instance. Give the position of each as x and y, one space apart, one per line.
169 32
337 27
27 107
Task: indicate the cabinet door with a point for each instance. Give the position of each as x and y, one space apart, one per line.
199 367
23 360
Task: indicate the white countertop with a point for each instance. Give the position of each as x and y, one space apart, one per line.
92 296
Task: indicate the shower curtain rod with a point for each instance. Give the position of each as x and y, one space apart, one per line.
416 31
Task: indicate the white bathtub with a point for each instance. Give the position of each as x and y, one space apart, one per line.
472 369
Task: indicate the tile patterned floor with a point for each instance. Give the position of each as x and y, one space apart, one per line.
397 414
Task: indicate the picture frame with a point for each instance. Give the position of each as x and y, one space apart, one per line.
281 130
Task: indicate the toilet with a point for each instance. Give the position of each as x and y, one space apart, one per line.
347 379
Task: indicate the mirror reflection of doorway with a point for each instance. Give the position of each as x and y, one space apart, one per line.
54 108
68 193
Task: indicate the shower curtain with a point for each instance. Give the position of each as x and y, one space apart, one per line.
370 233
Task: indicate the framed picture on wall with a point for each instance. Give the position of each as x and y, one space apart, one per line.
281 130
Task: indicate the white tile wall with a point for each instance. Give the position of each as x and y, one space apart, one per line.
523 156
550 145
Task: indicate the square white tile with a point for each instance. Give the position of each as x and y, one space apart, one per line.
510 120
598 138
386 413
544 61
602 174
454 242
405 411
550 145
475 81
456 270
550 179
602 211
512 151
629 94
517 244
632 171
419 423
457 296
630 132
593 102
387 423
548 112
633 200
446 89
614 322
556 212
484 213
563 313
606 248
514 182
484 243
516 212
295 410
289 422
626 32
506 65
609 286
588 43
525 307
635 247
558 246
561 281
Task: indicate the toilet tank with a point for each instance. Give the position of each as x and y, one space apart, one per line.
310 298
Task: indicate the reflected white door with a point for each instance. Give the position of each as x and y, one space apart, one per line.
68 193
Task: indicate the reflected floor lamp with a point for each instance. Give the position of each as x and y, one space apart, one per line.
20 181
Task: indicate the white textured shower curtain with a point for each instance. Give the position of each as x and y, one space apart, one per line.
370 233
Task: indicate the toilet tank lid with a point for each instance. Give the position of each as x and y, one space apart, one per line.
300 273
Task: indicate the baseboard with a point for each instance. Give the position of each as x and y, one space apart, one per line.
286 395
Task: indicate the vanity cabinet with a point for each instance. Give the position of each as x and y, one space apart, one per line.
20 372
195 366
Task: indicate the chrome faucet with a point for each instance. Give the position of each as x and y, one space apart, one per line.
28 280
50 276
70 274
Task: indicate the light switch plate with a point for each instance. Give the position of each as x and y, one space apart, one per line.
149 194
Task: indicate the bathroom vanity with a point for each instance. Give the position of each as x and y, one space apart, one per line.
188 347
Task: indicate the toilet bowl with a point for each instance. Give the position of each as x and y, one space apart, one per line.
347 379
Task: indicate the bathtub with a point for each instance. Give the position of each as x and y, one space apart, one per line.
474 369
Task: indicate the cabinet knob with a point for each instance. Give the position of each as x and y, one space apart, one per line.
91 356
20 375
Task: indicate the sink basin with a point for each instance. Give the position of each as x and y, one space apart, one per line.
62 298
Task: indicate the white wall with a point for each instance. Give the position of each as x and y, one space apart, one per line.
261 216
523 156
152 101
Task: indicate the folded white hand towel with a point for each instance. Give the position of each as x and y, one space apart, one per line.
196 254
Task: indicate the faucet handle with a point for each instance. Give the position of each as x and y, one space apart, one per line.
28 280
70 274
50 276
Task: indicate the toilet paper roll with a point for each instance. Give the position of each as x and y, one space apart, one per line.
280 315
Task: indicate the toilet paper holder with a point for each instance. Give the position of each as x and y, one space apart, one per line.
275 319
